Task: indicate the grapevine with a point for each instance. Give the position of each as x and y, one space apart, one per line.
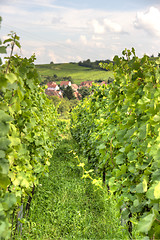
28 136
118 129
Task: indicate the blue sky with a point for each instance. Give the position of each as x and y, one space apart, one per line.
75 30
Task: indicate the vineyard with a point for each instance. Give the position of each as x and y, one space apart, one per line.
77 73
114 148
118 130
28 136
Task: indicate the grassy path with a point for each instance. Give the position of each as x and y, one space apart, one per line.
67 207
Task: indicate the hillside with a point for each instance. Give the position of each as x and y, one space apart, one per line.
77 73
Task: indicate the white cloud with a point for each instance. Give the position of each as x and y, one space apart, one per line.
69 41
97 27
112 26
83 39
107 25
96 38
79 58
100 45
149 21
52 56
91 43
9 10
71 58
40 51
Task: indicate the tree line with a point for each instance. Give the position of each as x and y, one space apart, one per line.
93 65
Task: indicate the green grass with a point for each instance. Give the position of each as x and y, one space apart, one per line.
76 72
65 206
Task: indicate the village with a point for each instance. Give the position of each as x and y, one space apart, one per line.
53 89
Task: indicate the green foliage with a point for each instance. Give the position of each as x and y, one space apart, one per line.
68 92
72 207
84 91
93 65
117 128
63 105
28 134
13 39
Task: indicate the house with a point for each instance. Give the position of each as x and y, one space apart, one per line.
52 86
86 84
65 84
103 83
74 87
77 95
54 93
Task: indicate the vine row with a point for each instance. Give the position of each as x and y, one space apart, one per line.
28 136
118 129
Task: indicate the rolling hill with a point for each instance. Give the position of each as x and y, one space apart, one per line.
77 73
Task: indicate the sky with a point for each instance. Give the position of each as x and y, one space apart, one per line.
75 30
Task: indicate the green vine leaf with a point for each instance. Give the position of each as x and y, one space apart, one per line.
157 191
146 222
142 187
11 77
3 50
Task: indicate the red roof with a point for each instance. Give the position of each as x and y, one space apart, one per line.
103 83
64 83
74 86
54 93
77 95
86 83
52 84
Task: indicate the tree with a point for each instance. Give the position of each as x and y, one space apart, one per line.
110 80
84 91
68 93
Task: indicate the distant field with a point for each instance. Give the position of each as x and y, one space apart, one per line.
76 72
